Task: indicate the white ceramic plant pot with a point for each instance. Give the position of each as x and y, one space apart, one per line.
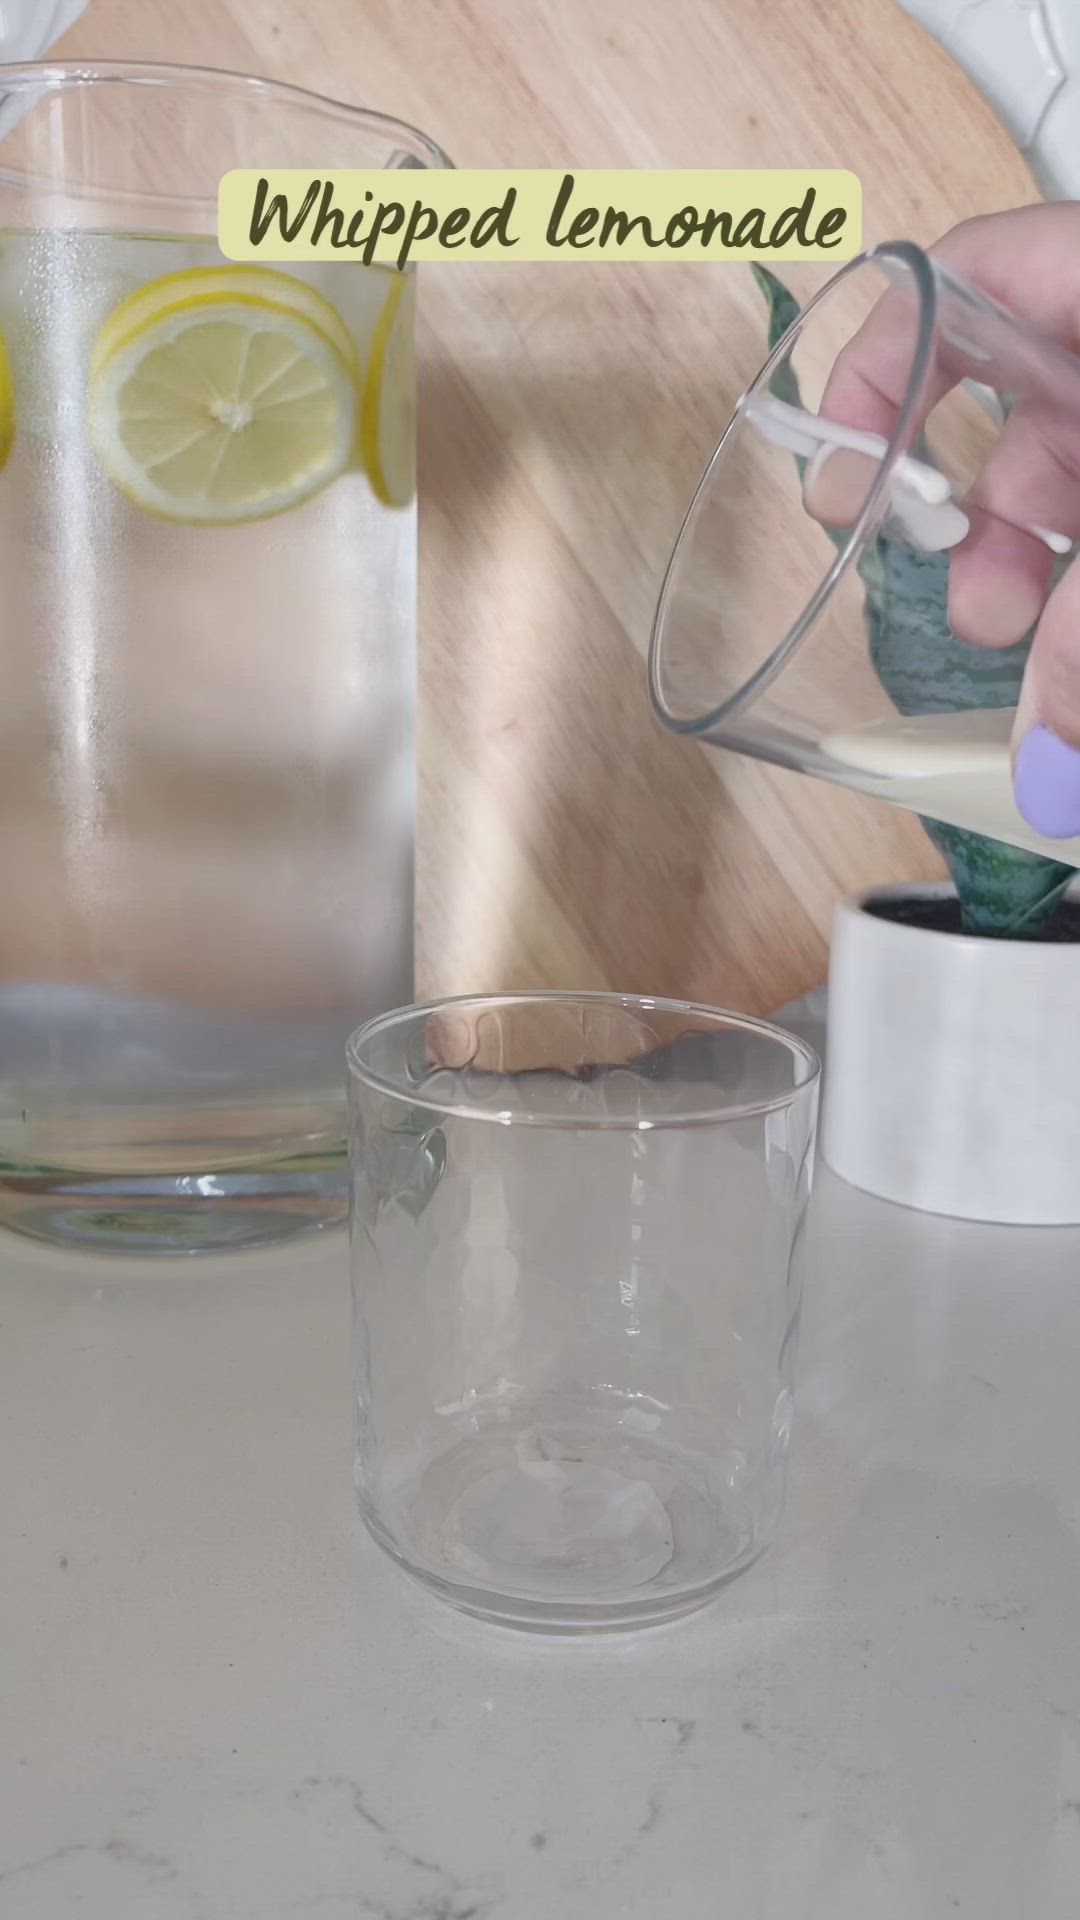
952 1077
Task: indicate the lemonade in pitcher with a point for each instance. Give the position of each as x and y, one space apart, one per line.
207 536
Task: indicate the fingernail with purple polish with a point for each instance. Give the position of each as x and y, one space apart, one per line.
1046 782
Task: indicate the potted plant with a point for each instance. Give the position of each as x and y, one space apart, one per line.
953 1072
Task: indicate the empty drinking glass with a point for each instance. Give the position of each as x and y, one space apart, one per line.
575 1233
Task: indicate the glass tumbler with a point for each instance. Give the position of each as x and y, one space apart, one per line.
576 1223
888 436
207 679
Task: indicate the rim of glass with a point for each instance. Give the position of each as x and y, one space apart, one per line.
520 1115
904 253
57 75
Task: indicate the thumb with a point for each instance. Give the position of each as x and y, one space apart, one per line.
1046 737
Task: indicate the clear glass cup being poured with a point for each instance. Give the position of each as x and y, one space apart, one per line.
800 620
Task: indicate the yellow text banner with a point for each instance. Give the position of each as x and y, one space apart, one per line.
391 218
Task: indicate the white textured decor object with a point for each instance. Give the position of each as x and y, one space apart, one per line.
28 28
1025 57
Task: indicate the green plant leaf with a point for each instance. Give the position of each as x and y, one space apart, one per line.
921 664
783 310
1005 893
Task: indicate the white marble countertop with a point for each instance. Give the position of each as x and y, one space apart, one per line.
217 1699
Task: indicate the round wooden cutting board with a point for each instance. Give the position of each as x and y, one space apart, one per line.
566 412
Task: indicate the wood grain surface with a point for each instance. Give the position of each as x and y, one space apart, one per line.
566 413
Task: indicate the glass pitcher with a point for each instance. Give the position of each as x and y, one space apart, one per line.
207 531
846 475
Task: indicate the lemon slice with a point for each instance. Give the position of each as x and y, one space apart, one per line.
7 404
221 283
388 405
223 394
